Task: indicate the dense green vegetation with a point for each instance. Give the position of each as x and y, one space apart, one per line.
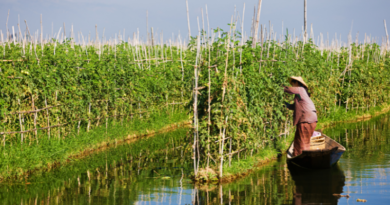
246 112
58 99
79 87
56 93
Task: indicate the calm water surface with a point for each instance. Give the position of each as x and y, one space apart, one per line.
141 173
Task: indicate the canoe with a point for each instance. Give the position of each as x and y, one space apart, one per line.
322 158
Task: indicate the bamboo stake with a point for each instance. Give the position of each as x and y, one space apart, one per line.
208 25
223 97
2 42
305 21
387 35
13 34
230 152
107 117
35 119
96 34
48 119
203 26
242 29
221 150
59 129
21 128
188 20
6 27
20 37
261 44
209 111
257 24
195 105
253 22
64 32
89 116
41 33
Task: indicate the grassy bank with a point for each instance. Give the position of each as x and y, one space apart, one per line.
20 160
246 164
108 172
343 115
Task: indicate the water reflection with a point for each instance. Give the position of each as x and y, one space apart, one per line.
278 183
155 171
318 186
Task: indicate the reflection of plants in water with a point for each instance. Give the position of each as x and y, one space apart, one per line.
270 185
128 169
278 183
369 140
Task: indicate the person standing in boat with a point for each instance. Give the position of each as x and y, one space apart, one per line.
305 114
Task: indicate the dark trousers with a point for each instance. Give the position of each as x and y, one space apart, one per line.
303 134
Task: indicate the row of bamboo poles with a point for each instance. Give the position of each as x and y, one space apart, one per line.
154 49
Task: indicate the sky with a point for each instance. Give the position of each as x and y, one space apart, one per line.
170 17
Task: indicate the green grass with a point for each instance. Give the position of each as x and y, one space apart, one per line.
19 159
120 163
244 165
341 115
247 163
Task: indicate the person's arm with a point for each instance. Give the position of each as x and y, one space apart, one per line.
290 106
292 90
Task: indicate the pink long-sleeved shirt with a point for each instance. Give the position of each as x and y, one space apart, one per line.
304 109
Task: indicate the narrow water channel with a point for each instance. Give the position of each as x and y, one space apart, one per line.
155 171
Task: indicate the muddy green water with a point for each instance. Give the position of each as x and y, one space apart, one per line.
155 171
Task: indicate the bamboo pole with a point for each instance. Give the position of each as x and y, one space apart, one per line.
147 28
64 32
261 44
35 118
41 33
96 34
107 117
242 29
305 20
223 99
48 119
208 26
195 105
188 20
253 22
2 41
221 149
230 152
387 35
89 116
59 128
13 34
204 39
209 110
256 24
21 128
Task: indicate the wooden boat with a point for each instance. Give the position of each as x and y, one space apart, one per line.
319 157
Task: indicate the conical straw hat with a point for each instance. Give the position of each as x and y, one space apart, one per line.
297 78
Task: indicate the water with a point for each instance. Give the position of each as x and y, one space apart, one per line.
155 171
